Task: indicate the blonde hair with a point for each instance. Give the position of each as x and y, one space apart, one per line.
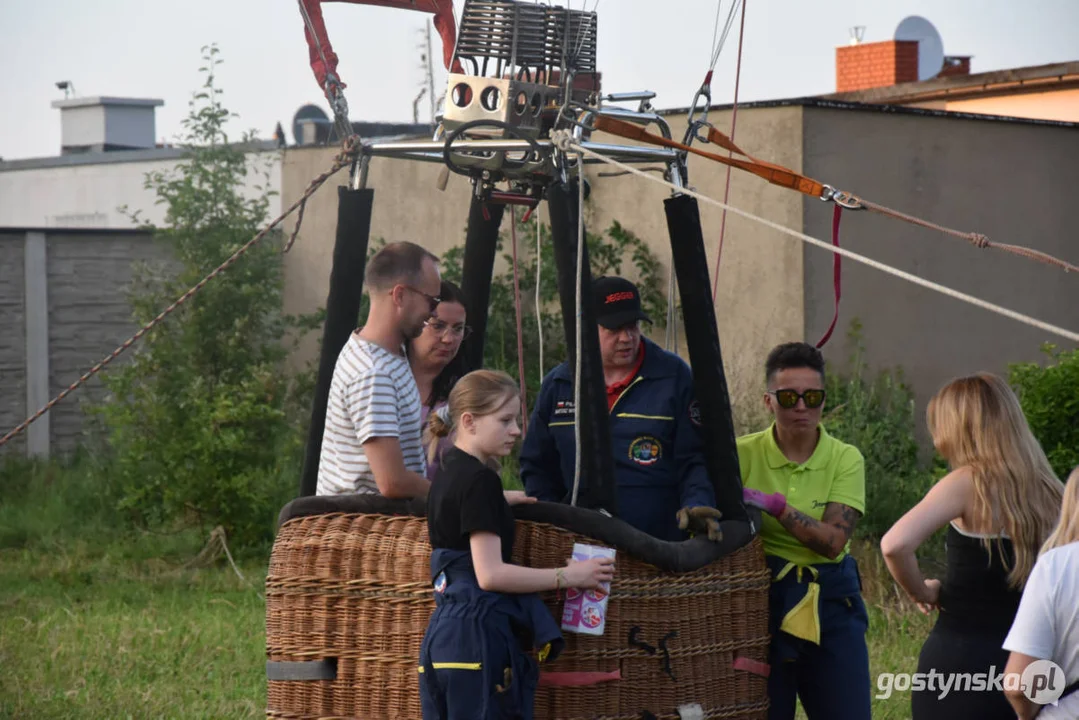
977 422
1067 529
480 392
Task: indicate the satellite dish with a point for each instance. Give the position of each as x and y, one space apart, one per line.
930 46
307 112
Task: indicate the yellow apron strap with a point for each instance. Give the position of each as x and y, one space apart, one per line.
803 620
783 573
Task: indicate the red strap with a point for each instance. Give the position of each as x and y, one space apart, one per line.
837 214
754 666
444 24
577 679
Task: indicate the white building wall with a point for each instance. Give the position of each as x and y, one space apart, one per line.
89 195
83 126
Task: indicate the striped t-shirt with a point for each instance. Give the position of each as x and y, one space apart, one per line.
372 394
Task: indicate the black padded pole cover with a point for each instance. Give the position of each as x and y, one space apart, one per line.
342 312
597 489
705 354
481 246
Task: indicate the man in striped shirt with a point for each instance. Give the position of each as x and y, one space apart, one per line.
371 442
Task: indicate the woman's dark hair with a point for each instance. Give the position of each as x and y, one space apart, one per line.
455 370
793 355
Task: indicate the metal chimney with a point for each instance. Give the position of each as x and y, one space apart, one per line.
103 124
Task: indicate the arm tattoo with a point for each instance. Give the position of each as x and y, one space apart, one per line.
819 535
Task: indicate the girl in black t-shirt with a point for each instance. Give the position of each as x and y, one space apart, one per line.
474 659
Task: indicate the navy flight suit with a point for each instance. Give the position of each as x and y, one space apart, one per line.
658 459
475 660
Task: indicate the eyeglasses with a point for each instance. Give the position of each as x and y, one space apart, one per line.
788 398
441 328
432 300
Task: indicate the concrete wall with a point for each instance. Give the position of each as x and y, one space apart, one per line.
87 191
12 338
760 295
1012 181
84 278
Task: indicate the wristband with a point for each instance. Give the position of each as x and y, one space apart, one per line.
559 578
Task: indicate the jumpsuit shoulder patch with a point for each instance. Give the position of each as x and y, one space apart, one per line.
440 583
645 450
695 413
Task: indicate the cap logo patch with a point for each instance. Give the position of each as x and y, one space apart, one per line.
618 296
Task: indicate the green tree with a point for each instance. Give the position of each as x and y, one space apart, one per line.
1049 396
199 424
876 415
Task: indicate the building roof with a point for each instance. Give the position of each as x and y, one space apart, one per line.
1035 78
384 134
117 156
831 103
107 100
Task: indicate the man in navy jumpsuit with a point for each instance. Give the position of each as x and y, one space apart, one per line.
659 465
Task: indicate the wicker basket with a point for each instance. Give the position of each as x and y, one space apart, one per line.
355 587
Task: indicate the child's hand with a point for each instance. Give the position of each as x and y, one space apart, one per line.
589 574
518 497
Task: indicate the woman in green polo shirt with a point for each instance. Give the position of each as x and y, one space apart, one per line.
811 488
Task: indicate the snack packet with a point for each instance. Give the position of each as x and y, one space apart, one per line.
585 611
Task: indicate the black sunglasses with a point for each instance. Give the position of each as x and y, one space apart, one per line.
789 398
432 300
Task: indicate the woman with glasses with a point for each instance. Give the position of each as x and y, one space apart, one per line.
434 359
999 505
811 488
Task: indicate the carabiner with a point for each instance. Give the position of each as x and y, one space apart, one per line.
841 198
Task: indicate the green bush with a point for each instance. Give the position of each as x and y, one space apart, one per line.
876 415
1049 396
202 425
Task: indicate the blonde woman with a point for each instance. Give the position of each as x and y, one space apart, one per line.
999 503
1046 626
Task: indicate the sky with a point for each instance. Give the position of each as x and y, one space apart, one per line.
136 48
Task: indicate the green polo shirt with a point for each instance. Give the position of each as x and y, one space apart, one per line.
834 473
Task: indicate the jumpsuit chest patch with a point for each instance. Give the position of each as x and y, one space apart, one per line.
645 450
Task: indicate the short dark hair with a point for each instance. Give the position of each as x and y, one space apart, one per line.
399 262
793 355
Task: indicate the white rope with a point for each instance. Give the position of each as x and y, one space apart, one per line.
566 143
539 309
580 335
717 47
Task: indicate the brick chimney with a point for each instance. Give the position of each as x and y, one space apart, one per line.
955 65
880 64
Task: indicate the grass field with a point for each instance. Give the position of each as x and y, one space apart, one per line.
95 623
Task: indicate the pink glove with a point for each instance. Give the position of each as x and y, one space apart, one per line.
774 504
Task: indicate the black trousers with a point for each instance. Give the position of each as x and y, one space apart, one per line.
969 660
